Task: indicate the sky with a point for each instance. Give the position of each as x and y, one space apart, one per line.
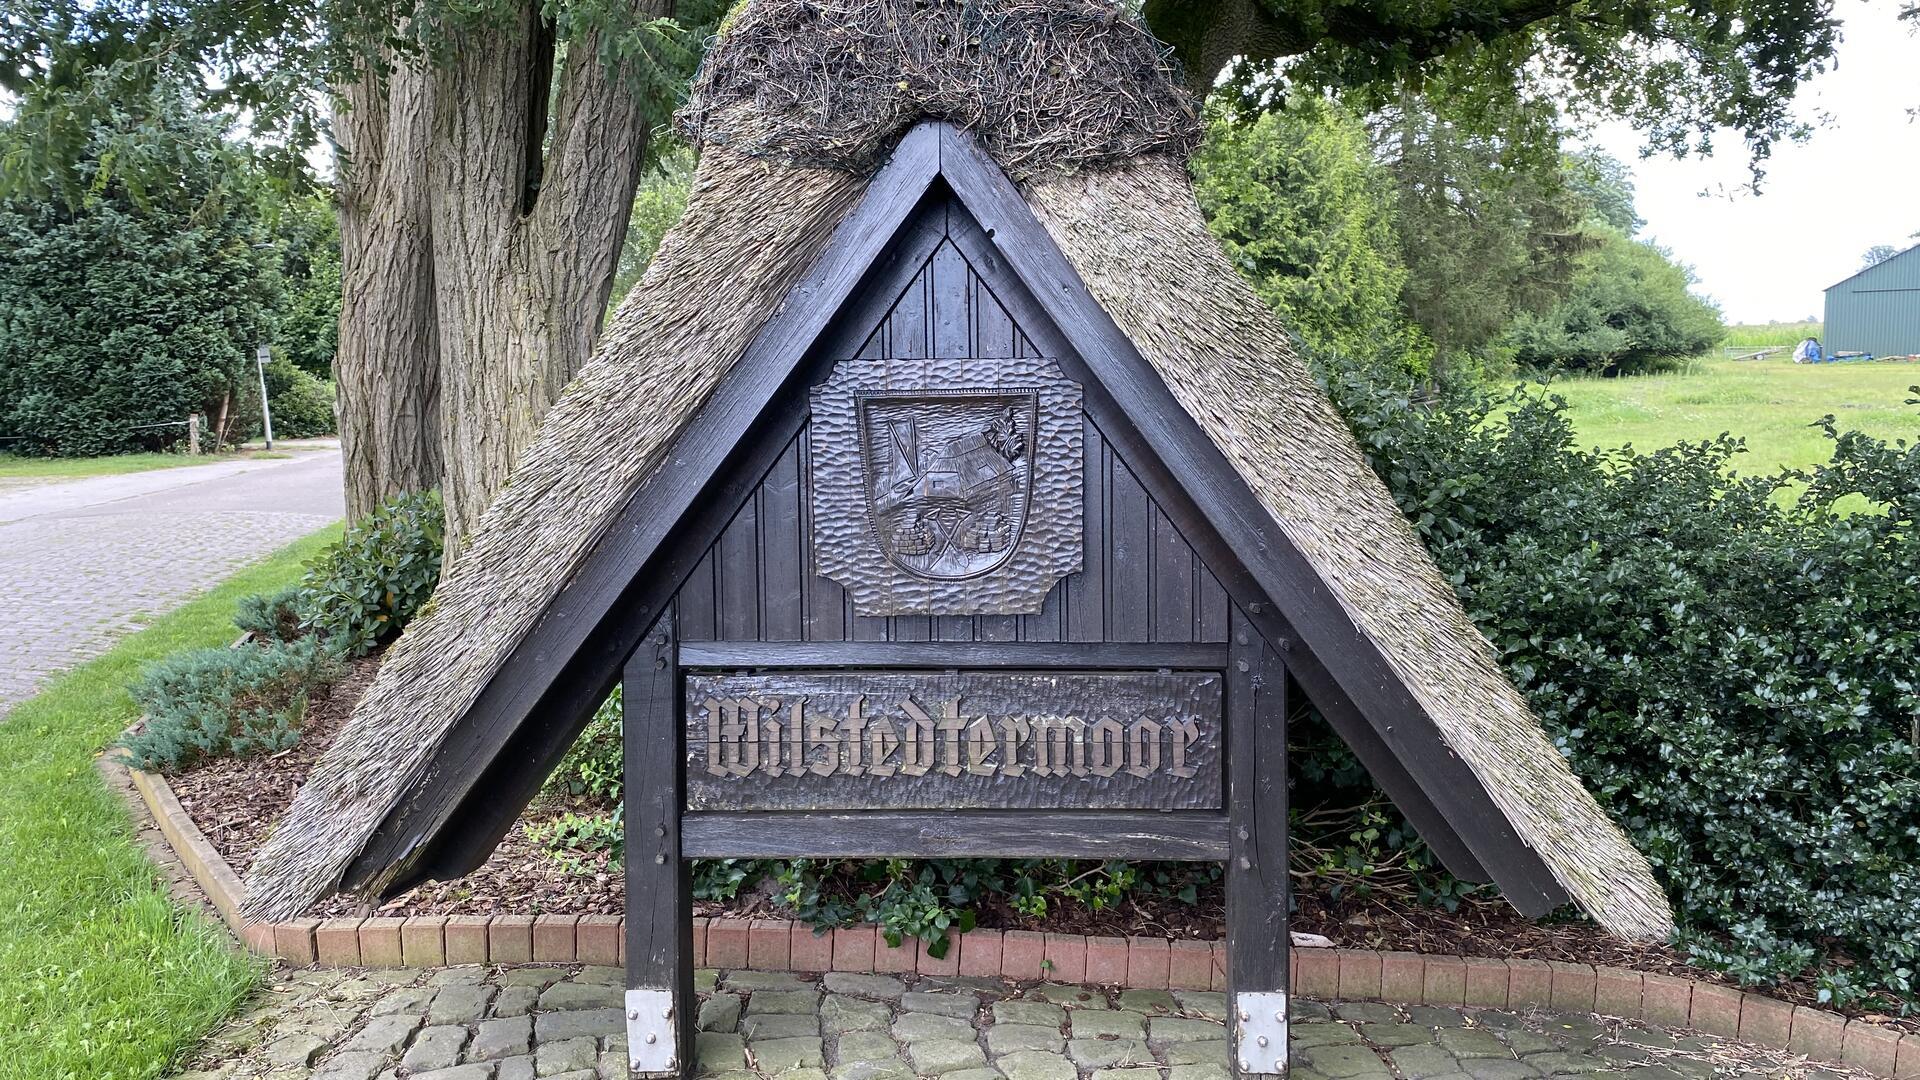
1769 256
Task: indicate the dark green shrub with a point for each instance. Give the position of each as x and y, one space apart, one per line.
302 404
226 702
1730 664
1629 311
362 591
140 304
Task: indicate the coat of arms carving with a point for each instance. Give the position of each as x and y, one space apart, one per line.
946 486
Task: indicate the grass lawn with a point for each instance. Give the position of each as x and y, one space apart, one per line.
101 976
1769 403
36 468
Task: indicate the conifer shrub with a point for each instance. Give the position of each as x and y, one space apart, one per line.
227 702
270 616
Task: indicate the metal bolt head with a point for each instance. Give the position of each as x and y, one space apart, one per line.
1262 1040
660 860
1243 1064
666 1013
1279 1065
1243 1014
652 1038
633 1014
1280 1016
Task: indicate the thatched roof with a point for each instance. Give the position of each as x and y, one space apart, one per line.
793 114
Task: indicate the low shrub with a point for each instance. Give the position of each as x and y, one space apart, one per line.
363 591
270 616
226 702
583 843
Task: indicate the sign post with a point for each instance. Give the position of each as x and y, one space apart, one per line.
260 357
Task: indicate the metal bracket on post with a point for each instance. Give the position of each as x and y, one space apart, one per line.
1260 1032
652 1033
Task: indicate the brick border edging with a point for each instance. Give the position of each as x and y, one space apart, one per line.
1143 963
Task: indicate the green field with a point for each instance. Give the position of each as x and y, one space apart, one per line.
1756 335
102 977
1770 403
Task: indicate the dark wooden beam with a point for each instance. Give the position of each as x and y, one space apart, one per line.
954 654
659 882
1257 844
1188 836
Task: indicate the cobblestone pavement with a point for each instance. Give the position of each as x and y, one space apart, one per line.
475 1023
86 562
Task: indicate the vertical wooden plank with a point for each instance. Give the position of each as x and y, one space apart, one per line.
996 628
907 324
910 628
1085 597
1172 581
1257 836
950 329
993 327
866 627
659 886
782 560
738 560
826 601
875 347
1129 555
1050 623
1213 606
698 602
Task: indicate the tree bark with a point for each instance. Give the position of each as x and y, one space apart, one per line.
528 220
386 370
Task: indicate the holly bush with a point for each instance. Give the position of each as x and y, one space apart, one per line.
1729 662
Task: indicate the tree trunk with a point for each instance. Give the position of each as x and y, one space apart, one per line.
479 243
528 221
386 369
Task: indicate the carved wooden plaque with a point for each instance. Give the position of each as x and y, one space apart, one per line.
946 486
850 740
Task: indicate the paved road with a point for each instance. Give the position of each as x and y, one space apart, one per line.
86 562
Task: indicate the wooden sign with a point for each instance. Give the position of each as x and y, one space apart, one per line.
847 740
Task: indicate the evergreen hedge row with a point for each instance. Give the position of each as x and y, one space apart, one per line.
1731 664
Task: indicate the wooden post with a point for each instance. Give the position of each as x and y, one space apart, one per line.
660 1000
1257 937
193 434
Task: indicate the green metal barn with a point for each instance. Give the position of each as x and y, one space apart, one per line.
1878 309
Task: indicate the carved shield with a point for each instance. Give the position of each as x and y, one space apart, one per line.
946 485
948 477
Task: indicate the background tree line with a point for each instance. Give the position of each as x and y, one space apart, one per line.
138 295
488 153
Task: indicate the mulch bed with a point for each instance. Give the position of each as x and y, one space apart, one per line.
236 802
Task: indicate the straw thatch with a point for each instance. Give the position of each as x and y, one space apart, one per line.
758 215
1041 83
